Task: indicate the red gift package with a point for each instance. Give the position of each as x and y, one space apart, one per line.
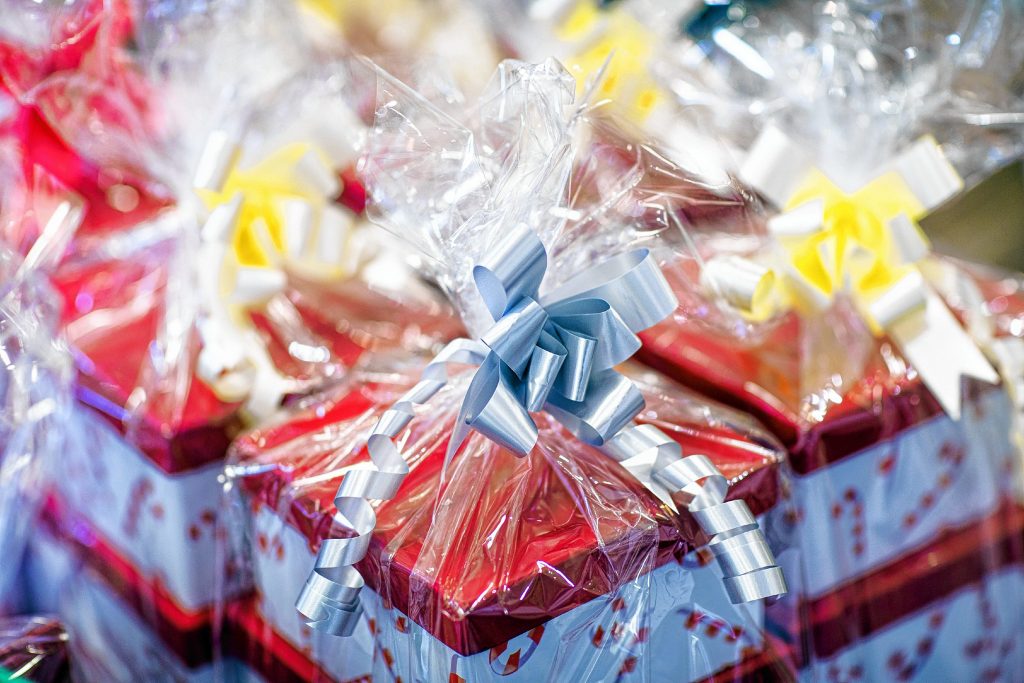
466 570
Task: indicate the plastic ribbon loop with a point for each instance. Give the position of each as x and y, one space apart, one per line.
559 352
853 248
867 245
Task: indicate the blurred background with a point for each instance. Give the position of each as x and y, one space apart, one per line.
985 224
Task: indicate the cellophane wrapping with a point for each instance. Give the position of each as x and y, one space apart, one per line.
945 70
552 566
879 475
882 471
130 507
450 40
558 564
855 81
33 649
36 387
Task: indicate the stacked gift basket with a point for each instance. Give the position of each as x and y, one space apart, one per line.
547 340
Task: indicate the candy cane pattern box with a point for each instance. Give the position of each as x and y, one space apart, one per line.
880 471
883 475
121 628
562 567
143 468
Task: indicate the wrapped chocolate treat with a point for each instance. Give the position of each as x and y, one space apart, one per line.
565 522
885 370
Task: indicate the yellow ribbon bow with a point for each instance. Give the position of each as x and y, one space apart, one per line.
856 248
275 215
866 244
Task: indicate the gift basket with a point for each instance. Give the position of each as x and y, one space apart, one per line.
249 287
640 368
884 368
521 507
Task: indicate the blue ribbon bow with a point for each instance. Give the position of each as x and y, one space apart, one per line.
558 352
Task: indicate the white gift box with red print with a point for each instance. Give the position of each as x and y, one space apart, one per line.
162 523
877 504
119 630
680 610
569 591
977 634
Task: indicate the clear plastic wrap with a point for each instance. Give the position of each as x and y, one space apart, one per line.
78 105
884 74
906 486
174 356
453 46
905 510
558 564
857 82
551 566
848 95
35 385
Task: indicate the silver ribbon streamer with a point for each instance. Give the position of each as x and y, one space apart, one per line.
555 353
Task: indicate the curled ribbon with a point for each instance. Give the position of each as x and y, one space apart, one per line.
867 245
555 352
277 215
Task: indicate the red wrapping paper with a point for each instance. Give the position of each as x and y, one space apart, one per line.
563 538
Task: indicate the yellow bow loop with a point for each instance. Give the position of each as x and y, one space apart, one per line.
295 172
853 250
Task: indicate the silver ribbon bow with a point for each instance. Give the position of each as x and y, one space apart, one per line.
558 352
555 352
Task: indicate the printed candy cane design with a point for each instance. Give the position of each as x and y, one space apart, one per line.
268 546
701 557
623 636
852 503
141 491
903 665
206 523
951 459
900 665
991 650
852 674
385 654
715 626
506 661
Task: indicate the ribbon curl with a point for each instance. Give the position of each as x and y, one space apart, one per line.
558 353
